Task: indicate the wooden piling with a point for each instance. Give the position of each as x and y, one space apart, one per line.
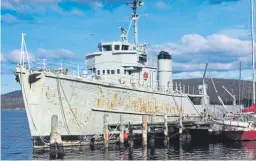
180 121
53 135
144 131
130 136
56 146
106 131
121 127
152 136
92 143
166 138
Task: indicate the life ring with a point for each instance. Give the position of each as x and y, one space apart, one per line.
145 75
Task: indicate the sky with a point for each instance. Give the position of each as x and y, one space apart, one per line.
194 32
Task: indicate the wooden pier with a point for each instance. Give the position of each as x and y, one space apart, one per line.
147 134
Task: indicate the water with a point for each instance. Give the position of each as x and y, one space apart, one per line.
17 145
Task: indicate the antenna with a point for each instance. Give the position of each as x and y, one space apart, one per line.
134 5
123 34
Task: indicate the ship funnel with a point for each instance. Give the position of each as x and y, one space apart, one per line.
165 71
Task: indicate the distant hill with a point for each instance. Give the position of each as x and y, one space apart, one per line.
14 100
231 85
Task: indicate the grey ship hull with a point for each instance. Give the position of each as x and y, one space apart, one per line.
81 104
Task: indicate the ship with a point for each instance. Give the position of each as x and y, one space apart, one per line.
119 79
243 127
239 128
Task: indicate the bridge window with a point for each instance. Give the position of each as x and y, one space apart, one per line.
118 71
103 72
125 47
98 72
107 47
108 71
112 71
117 47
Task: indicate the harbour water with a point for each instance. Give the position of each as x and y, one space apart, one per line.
16 144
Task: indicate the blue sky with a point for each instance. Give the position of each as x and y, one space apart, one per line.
193 31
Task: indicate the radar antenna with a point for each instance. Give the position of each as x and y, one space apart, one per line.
123 34
134 5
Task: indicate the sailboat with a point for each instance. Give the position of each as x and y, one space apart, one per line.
243 128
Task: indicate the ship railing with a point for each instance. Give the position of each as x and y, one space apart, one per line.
151 62
77 70
188 89
126 80
62 67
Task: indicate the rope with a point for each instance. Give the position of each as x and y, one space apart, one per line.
61 105
77 120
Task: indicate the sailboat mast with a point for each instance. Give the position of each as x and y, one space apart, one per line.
253 55
240 75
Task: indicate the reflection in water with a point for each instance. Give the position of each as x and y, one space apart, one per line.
250 149
152 154
106 154
15 125
144 153
130 156
182 151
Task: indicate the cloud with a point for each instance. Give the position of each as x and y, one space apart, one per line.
23 8
222 1
8 18
26 5
14 56
161 5
201 66
96 5
213 48
56 54
76 12
231 74
73 12
236 33
193 51
2 58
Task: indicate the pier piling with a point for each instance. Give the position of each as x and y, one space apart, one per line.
130 136
166 138
180 121
144 131
106 131
121 136
92 143
56 146
152 132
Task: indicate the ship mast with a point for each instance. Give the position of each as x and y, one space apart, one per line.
135 4
23 50
253 54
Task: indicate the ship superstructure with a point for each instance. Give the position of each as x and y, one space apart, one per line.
119 80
